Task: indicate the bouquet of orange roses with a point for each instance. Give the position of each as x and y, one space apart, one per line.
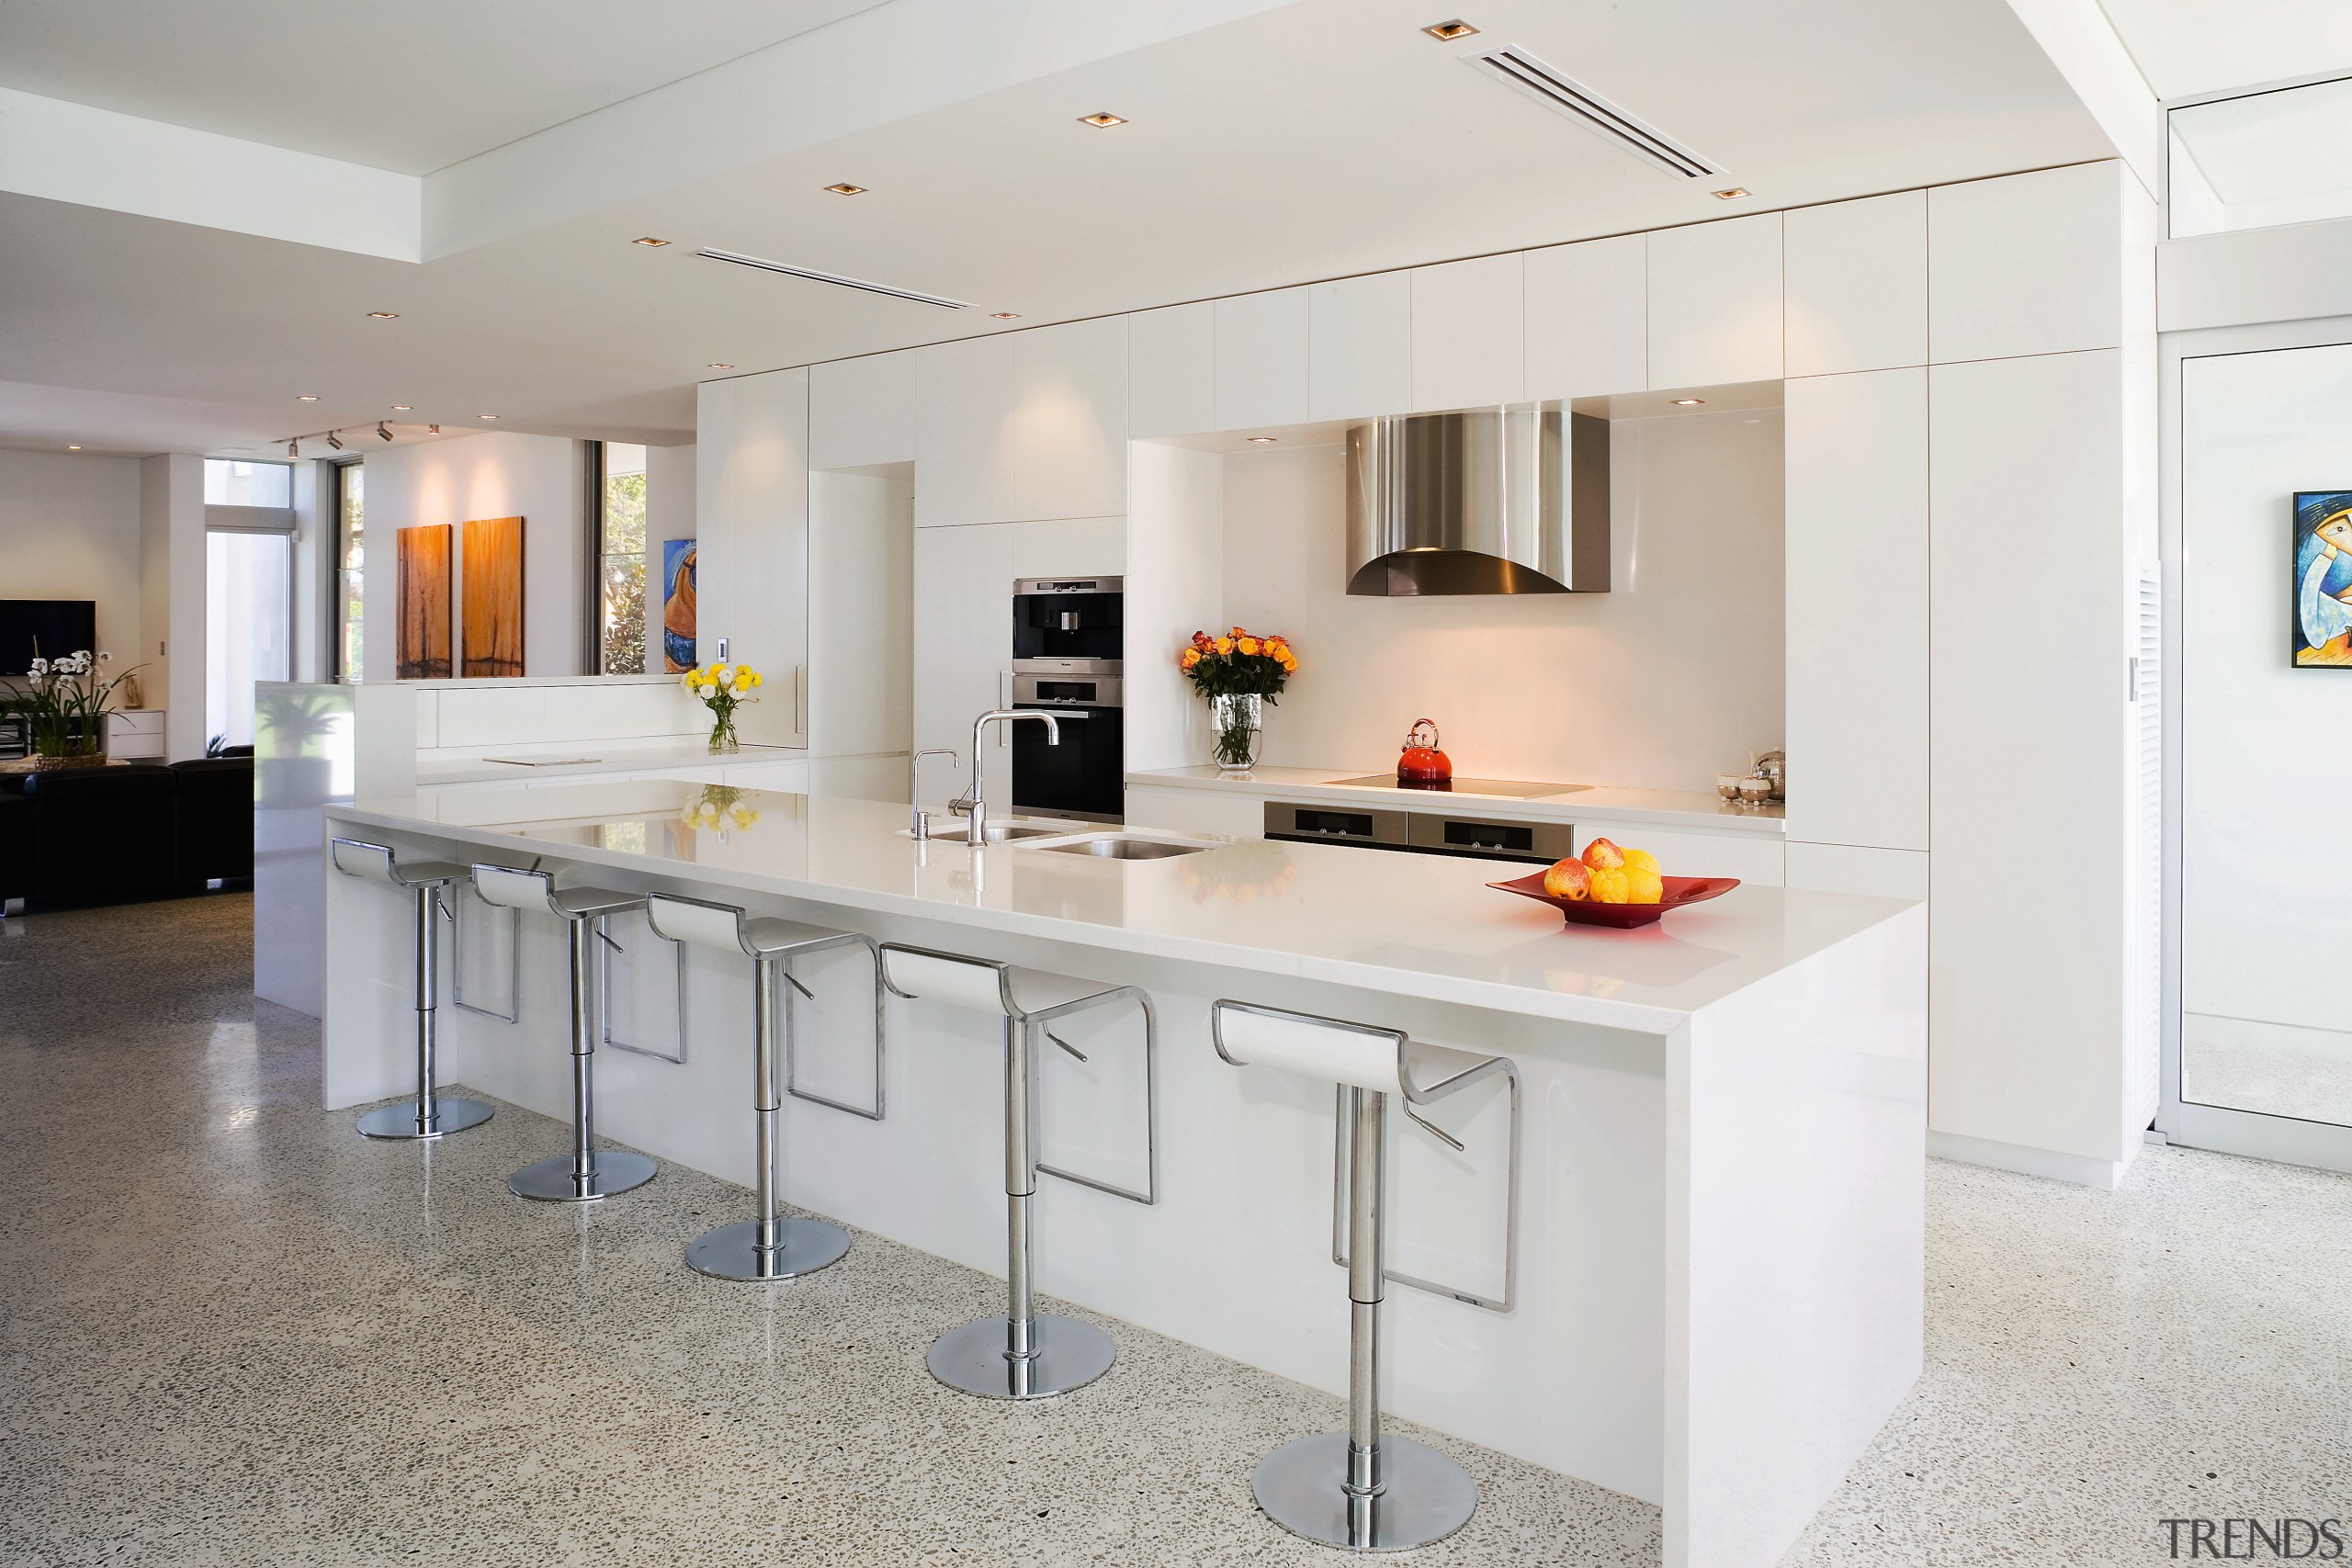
1237 673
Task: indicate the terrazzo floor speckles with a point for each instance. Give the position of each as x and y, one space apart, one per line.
232 1332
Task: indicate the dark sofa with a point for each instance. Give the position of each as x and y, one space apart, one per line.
141 830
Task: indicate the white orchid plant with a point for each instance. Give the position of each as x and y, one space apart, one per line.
65 702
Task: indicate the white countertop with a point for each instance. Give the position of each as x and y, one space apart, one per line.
588 758
1415 925
1658 808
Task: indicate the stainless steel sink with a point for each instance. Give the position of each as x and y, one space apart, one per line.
1007 833
1111 846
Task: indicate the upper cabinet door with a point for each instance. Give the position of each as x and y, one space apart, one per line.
1469 333
963 402
1068 429
1172 370
752 546
2029 264
1857 285
1588 317
1714 302
1361 346
1261 358
862 411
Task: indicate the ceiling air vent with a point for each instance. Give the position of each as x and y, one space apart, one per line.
813 276
1520 71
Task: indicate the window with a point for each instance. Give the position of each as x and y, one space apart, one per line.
350 554
620 559
2261 160
232 483
248 625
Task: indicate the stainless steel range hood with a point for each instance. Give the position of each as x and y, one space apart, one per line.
1511 500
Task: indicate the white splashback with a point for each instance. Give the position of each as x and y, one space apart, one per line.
1671 678
462 718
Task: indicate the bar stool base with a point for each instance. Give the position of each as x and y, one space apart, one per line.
551 1180
1070 1355
732 1252
1427 1498
400 1120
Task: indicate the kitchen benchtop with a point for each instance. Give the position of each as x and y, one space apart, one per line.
1657 807
1415 925
585 759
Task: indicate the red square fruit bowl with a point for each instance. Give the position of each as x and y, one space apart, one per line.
1679 892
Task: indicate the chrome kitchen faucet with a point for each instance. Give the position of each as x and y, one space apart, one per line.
971 804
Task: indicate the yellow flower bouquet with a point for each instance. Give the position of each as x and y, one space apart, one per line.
723 688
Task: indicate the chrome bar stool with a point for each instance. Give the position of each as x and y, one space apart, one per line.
1025 1354
773 1246
430 1115
585 1174
1360 1489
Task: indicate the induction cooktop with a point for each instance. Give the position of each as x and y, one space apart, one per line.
1509 789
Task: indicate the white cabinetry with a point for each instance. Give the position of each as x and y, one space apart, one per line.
1469 333
862 411
1069 547
1261 359
1857 613
1875 874
1361 346
963 402
1197 811
751 554
135 734
2029 264
1714 302
1172 370
963 636
1588 317
1857 285
1758 858
1068 432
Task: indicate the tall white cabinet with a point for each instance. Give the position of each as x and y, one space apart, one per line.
752 548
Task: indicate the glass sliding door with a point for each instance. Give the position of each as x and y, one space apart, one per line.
2263 748
248 628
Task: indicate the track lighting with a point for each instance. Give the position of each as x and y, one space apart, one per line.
432 430
382 433
294 448
335 441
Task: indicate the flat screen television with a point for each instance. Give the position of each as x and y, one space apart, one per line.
56 626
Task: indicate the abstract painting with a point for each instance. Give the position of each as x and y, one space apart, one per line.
493 594
2321 633
678 605
422 643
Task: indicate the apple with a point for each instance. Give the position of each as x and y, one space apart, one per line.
1602 855
1569 879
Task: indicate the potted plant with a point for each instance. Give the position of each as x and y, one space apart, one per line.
63 702
1238 673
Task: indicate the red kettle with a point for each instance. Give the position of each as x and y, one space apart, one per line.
1422 765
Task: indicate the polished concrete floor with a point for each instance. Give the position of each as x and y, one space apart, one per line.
232 1332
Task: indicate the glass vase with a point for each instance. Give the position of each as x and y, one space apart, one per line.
1239 723
723 742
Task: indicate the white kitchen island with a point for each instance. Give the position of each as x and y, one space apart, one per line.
1718 1289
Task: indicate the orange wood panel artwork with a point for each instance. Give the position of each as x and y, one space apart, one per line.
494 590
423 641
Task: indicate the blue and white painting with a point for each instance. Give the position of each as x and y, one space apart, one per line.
2323 632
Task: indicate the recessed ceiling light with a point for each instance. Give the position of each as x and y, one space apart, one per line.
485 416
1261 440
719 365
1101 119
70 447
306 398
383 315
648 240
1004 315
1687 402
1730 193
403 408
1446 32
846 188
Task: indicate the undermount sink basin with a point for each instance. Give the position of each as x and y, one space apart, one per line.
1111 846
998 832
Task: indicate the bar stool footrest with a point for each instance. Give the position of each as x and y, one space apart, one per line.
552 1180
451 1115
732 1252
1427 1497
1070 1355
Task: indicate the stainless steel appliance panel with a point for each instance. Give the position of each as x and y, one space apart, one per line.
1489 838
1368 826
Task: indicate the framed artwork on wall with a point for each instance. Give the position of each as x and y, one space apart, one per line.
678 605
2320 634
422 640
492 624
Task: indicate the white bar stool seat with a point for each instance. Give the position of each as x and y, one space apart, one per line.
584 1175
1359 1489
1025 1354
770 1245
429 1115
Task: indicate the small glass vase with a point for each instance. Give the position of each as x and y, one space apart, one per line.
723 742
1239 723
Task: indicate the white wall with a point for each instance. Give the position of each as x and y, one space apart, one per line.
69 529
535 477
668 514
1670 678
171 593
860 612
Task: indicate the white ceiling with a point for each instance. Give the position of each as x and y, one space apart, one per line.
2187 47
409 87
1319 138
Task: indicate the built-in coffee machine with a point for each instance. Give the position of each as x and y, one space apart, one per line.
1067 642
